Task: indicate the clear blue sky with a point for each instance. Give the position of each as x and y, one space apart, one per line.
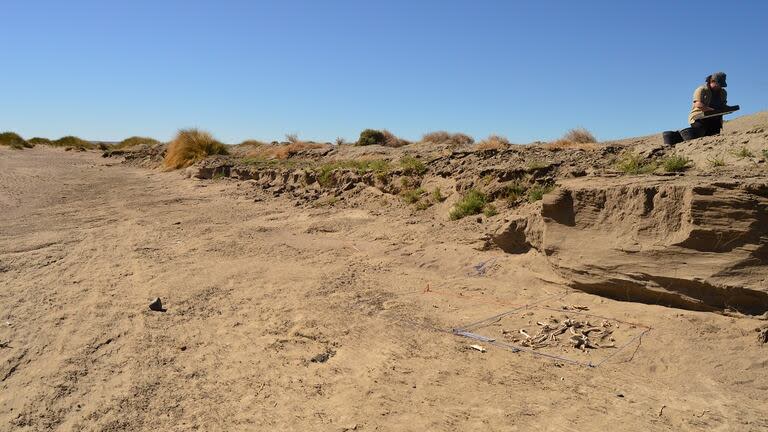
105 70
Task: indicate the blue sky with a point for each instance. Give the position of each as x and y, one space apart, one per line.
107 70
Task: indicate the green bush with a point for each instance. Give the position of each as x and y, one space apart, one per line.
489 210
13 140
412 196
136 140
513 191
676 163
371 137
437 195
471 203
744 153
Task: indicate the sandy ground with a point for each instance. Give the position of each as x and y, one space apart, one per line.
256 290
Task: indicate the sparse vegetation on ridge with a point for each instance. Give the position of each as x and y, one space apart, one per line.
73 142
493 142
443 137
134 141
580 136
14 141
676 163
412 166
190 146
537 192
40 141
473 202
635 164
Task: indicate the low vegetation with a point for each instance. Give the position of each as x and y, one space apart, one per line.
412 166
437 195
580 136
135 141
765 154
40 141
635 164
472 203
676 163
14 141
190 146
537 192
280 151
716 162
412 196
73 142
744 153
452 139
364 166
513 192
494 142
380 137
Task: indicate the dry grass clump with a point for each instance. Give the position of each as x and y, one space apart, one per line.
390 140
14 141
494 142
136 140
190 146
282 151
580 136
564 144
443 137
574 139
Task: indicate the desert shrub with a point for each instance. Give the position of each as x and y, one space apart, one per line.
14 140
190 146
412 166
676 163
412 196
371 137
136 140
437 195
493 142
340 141
471 203
40 141
765 153
744 153
73 142
580 136
490 210
390 140
443 137
635 164
513 191
537 192
716 162
292 138
564 144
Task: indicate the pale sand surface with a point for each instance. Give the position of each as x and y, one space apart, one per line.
255 290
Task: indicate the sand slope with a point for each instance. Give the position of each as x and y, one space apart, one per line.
256 290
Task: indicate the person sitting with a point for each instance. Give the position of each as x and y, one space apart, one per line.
707 98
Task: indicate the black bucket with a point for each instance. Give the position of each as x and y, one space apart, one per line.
689 133
672 137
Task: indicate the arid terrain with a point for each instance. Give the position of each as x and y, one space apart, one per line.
329 299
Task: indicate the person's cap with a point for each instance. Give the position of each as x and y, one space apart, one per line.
719 77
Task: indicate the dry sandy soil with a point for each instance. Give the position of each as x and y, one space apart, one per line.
282 317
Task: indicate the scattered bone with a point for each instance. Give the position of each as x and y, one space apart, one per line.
583 334
477 348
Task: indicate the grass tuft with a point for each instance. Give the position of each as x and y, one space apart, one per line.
489 210
412 196
676 163
325 171
190 146
765 154
635 164
716 162
744 153
537 192
14 141
412 166
471 203
513 192
437 196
